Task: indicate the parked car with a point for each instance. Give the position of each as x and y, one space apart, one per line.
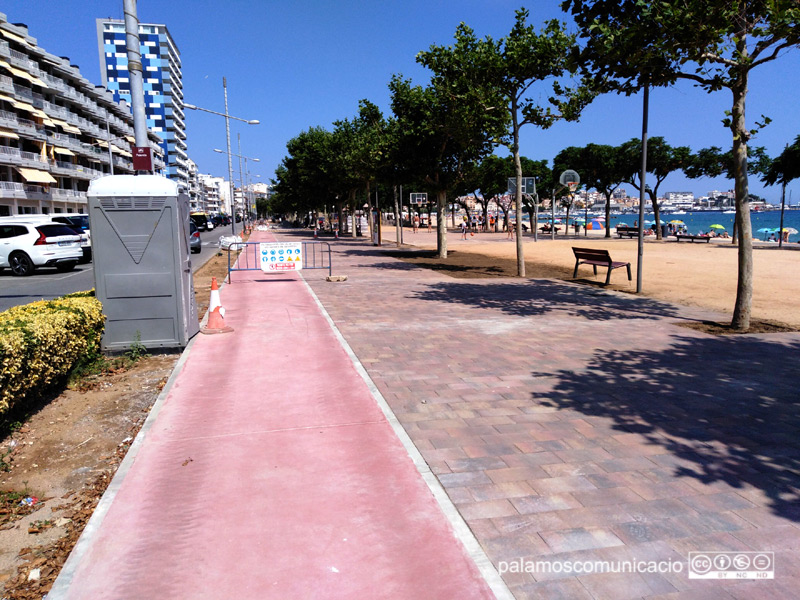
27 244
195 243
81 223
202 221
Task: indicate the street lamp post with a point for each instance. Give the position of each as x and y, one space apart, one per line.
228 117
240 156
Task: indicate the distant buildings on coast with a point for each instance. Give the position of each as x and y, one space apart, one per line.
671 201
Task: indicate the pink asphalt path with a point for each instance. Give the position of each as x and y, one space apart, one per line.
270 472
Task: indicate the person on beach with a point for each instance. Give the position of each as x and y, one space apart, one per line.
511 227
464 229
430 221
772 238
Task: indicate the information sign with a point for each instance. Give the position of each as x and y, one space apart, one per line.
281 256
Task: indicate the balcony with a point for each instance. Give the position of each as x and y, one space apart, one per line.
6 84
17 157
23 91
68 195
22 60
8 119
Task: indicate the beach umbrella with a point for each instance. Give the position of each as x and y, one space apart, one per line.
716 226
622 225
765 230
790 230
677 222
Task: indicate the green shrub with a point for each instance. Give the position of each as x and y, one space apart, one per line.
41 342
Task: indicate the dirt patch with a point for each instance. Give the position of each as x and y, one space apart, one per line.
65 453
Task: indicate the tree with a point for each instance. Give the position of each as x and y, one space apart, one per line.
360 146
440 136
713 162
662 159
500 75
715 44
599 168
307 177
785 167
491 177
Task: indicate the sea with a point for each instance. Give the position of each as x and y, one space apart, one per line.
701 221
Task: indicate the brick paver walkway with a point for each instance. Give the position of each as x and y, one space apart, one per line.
567 423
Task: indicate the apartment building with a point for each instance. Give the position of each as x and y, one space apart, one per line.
215 194
162 81
58 131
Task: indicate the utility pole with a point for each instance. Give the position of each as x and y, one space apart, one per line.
135 74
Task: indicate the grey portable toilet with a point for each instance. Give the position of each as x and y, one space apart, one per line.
142 269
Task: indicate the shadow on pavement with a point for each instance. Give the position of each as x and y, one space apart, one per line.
727 409
527 298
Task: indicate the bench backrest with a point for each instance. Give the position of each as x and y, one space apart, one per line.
591 254
625 228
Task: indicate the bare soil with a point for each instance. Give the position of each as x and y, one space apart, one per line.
64 454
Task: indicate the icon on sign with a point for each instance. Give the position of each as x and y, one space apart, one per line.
741 562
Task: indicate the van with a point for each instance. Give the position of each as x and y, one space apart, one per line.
202 221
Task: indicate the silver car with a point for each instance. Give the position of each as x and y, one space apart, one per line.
195 243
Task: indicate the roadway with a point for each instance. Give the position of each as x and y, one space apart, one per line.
46 284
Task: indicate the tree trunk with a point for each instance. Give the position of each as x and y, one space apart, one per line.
441 224
353 211
608 215
370 219
518 192
398 218
656 214
744 285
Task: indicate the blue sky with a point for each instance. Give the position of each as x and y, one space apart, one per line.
294 65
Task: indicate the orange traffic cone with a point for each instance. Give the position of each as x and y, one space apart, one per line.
216 313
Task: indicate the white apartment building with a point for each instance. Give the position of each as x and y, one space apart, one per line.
214 195
58 131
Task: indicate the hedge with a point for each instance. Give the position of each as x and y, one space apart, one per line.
41 342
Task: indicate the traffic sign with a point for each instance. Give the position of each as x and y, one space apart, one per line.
280 257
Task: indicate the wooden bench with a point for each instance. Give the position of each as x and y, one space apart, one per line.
628 231
692 238
597 258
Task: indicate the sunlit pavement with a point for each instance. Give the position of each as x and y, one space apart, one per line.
571 425
268 470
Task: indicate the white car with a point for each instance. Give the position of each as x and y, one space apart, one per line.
79 222
27 244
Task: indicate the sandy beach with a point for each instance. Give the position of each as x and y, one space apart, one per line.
695 274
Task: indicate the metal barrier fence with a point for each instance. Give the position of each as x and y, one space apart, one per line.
316 255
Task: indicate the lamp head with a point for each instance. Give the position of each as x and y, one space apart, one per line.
254 122
191 106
